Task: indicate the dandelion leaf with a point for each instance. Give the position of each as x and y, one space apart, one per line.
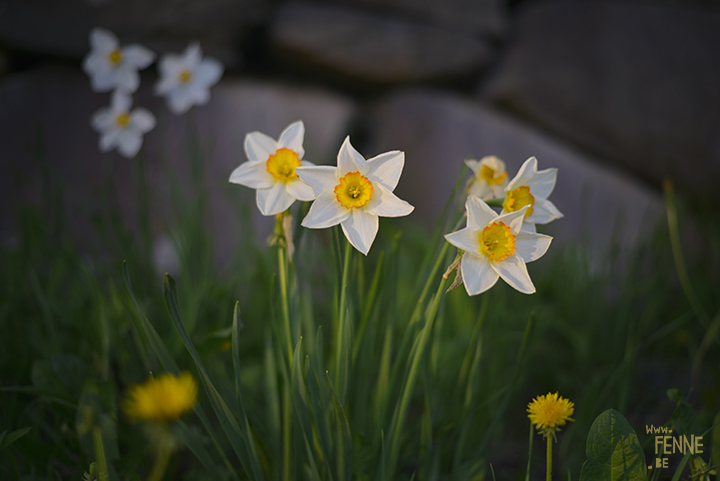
613 451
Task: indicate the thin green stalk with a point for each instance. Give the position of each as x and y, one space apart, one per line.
100 453
548 473
530 445
287 432
282 265
342 319
164 450
401 410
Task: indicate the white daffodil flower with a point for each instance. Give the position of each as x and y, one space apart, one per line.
355 193
271 169
531 188
489 177
185 80
495 246
119 127
112 67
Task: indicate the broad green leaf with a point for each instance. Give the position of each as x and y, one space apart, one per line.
613 451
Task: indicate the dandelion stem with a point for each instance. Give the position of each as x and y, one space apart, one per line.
161 459
100 453
342 319
548 476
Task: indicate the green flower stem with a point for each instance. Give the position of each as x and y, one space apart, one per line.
282 268
287 432
342 319
100 453
548 475
401 410
162 458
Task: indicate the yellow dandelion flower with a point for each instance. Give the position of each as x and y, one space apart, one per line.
161 399
549 412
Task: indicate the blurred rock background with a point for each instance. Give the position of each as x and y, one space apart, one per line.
618 95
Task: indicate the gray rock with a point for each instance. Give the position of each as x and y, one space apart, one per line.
373 48
438 131
484 17
57 104
635 83
62 28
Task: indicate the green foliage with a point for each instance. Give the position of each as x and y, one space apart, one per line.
613 451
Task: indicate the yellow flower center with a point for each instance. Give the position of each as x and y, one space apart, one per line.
163 398
488 174
519 198
123 120
549 412
497 241
282 164
185 76
115 57
354 190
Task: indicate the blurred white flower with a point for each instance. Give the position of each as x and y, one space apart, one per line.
271 169
185 80
489 177
111 67
495 246
532 187
355 193
119 127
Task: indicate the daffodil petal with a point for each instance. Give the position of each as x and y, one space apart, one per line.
127 80
386 204
528 227
104 40
514 271
325 212
273 200
386 168
476 273
319 178
473 164
121 102
129 142
259 146
350 160
544 211
514 220
143 119
169 66
292 138
193 54
138 56
527 171
543 183
180 102
530 247
253 175
360 229
467 239
102 120
479 188
300 190
478 212
108 140
208 73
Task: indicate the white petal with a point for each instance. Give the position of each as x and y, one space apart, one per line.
102 120
467 239
530 247
138 56
129 142
127 79
543 183
103 40
473 164
103 80
514 272
476 273
478 187
170 66
350 160
493 162
165 84
273 200
514 220
259 146
326 211
192 55
319 178
253 175
121 102
527 171
143 119
360 229
199 94
179 101
528 227
478 212
386 168
300 190
544 211
292 138
208 73
386 204
108 140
